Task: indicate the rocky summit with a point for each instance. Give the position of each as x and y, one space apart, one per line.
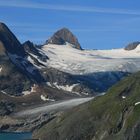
132 46
10 42
64 36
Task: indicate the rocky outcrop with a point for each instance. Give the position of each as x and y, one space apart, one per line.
16 73
10 124
88 84
132 46
63 36
6 107
31 48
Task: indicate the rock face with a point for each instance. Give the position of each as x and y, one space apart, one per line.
8 124
6 108
132 46
10 42
31 48
62 36
16 72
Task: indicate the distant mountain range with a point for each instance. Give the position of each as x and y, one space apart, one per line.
31 75
60 69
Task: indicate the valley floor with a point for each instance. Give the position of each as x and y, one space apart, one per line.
28 120
54 107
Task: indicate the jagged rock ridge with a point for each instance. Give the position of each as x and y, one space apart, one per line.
10 42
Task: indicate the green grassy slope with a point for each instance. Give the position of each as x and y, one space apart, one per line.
104 118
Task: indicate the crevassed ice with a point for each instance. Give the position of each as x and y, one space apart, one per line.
74 61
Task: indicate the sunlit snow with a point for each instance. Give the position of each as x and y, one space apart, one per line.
123 97
137 103
68 59
46 99
0 69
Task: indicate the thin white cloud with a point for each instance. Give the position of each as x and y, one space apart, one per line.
86 30
111 26
74 8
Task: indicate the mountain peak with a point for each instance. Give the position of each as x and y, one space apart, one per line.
9 40
132 46
2 25
63 36
65 29
29 47
28 42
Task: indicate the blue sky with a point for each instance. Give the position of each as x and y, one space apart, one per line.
98 24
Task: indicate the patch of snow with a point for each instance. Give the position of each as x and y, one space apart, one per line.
33 88
63 87
27 92
0 69
43 98
77 93
3 92
123 97
49 84
36 57
52 100
46 99
103 93
85 93
68 88
137 103
32 61
6 93
21 62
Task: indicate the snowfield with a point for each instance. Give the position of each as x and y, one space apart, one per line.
74 61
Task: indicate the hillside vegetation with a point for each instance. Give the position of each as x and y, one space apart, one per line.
112 116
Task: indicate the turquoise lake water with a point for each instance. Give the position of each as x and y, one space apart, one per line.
15 136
